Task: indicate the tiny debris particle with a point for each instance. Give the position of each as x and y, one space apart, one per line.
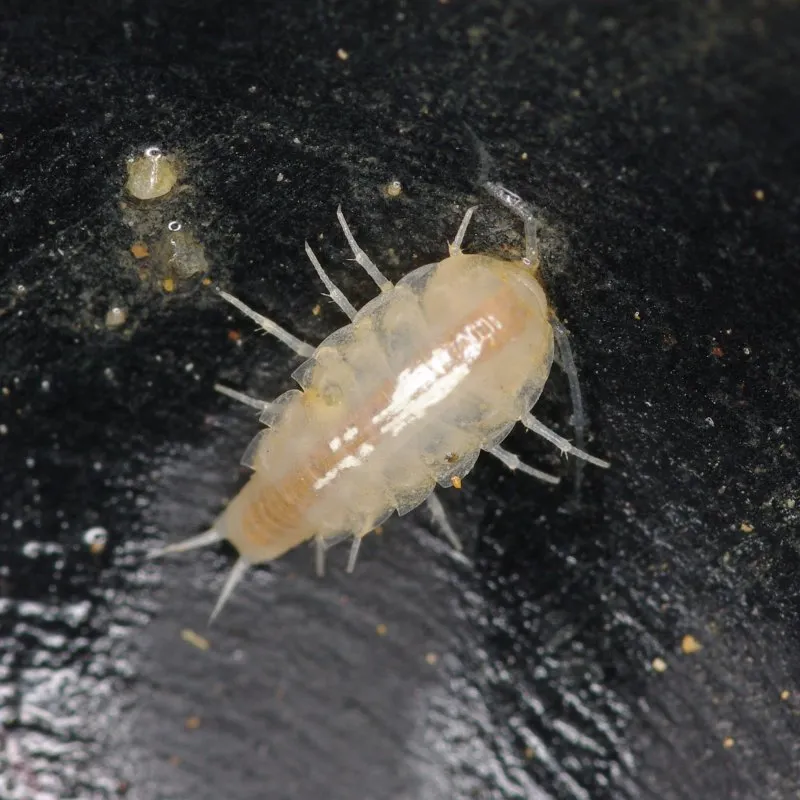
746 527
206 281
174 761
456 481
717 351
139 250
317 310
168 284
381 629
659 665
637 316
342 54
759 195
431 658
195 639
785 694
524 156
193 723
728 742
234 336
529 753
379 530
96 539
690 645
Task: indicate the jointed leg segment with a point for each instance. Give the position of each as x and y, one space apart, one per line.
533 424
384 284
298 345
455 247
513 462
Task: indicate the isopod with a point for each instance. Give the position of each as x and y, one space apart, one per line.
435 369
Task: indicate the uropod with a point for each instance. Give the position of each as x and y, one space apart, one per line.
438 367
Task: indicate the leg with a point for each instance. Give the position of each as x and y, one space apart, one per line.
384 284
299 346
533 424
336 294
241 397
513 462
455 248
319 555
354 548
439 517
513 202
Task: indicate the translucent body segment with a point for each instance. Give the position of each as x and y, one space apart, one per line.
299 346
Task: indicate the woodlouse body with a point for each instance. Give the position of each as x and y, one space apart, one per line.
435 369
428 374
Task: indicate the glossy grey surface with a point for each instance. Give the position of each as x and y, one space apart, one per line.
658 143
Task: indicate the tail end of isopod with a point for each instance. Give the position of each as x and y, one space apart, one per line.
201 540
235 575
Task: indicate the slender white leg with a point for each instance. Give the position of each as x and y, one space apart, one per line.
354 548
242 397
513 462
319 555
336 294
439 517
235 575
299 346
384 284
455 247
201 540
514 203
533 424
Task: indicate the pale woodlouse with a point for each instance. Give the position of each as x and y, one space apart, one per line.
436 368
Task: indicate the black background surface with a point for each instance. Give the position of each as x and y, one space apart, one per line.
659 143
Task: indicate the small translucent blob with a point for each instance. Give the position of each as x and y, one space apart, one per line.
393 189
115 317
150 175
177 255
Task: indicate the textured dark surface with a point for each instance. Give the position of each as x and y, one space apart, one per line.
662 154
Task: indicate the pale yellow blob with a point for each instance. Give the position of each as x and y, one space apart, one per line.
150 175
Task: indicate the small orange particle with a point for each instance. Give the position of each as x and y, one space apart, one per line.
728 742
690 645
234 336
168 284
529 753
174 761
192 723
206 281
746 527
759 195
785 694
717 351
381 629
431 658
456 481
139 250
316 310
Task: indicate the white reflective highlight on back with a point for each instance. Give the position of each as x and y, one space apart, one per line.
423 386
348 462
